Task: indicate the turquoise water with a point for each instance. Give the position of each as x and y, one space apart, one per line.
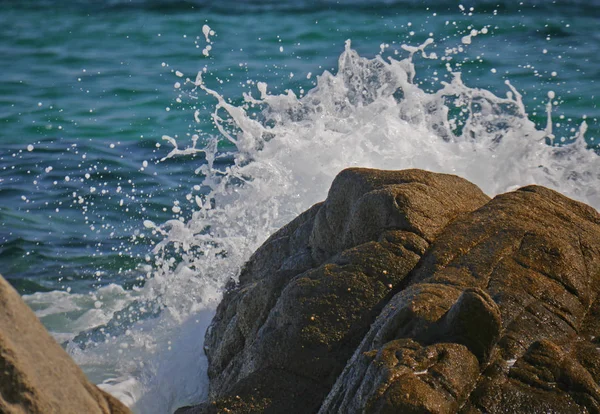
79 76
89 89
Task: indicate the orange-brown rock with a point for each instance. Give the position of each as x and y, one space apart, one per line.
36 375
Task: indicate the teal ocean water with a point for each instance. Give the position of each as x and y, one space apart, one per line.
121 245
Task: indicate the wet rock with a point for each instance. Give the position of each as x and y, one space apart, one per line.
36 375
412 292
524 272
307 297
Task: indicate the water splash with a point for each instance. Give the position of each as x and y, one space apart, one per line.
371 113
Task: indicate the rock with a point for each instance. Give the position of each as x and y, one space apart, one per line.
412 292
307 297
36 375
524 270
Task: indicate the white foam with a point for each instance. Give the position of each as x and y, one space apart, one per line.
369 114
352 118
65 314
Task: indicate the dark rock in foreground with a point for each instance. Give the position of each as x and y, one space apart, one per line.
36 375
412 292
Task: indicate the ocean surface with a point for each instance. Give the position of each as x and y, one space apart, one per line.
148 147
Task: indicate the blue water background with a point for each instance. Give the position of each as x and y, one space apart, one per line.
88 84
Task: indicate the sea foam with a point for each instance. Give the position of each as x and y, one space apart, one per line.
370 113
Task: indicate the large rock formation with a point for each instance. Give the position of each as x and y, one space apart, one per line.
412 292
36 375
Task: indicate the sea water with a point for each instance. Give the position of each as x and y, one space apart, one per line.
149 147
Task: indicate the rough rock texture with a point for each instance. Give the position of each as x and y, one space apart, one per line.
36 375
412 292
514 284
307 297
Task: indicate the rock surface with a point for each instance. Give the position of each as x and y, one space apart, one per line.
36 375
412 292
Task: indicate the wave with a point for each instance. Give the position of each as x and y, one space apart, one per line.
276 155
288 149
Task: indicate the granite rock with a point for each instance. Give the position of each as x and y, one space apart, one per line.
411 291
36 375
